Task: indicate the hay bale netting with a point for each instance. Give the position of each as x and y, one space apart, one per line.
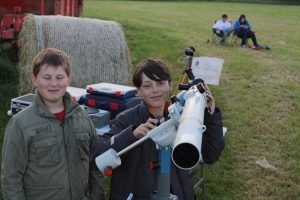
97 49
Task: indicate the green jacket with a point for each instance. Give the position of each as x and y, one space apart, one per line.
43 158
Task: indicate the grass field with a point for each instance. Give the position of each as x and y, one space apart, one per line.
259 91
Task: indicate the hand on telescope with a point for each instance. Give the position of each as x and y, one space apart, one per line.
143 129
211 102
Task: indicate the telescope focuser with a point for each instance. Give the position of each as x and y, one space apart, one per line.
198 82
201 88
190 74
174 99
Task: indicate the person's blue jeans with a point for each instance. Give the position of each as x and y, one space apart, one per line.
225 33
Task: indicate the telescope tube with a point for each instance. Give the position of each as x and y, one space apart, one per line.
186 152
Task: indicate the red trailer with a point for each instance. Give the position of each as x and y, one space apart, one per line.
12 14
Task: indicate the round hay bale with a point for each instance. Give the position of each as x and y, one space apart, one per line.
97 49
28 40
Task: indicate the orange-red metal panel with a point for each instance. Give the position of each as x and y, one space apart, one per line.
62 7
73 3
42 7
27 6
68 9
12 13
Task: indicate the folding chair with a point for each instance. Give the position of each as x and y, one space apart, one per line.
217 36
236 39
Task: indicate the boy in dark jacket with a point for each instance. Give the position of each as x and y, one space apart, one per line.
47 145
133 177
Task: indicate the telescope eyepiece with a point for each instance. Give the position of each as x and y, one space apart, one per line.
201 88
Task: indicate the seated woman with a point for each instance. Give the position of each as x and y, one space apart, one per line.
242 29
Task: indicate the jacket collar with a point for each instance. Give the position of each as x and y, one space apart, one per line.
70 106
149 111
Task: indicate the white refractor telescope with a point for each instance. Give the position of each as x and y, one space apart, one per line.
183 131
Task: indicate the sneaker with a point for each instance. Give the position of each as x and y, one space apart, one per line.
221 43
243 45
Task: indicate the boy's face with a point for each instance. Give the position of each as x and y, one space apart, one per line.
155 94
52 83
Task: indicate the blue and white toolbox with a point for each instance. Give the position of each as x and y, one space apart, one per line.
112 90
76 93
111 97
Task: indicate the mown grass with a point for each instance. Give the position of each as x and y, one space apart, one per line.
258 92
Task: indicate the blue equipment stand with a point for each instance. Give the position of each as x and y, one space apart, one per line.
163 185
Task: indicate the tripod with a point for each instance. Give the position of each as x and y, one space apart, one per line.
184 79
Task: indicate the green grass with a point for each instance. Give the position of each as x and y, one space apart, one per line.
8 89
258 93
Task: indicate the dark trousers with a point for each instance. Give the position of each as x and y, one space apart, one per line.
247 34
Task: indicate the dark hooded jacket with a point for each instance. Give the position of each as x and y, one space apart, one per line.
133 176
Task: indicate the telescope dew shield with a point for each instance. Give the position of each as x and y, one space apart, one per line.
186 152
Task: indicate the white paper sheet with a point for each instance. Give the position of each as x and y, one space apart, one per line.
207 68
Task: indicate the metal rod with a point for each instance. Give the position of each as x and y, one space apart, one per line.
132 145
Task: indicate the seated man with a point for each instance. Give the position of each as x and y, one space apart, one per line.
224 27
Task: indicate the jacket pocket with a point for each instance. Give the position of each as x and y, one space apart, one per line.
57 192
83 144
46 150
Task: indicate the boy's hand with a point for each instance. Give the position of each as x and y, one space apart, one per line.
143 129
211 102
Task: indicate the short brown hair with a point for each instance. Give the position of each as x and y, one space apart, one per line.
154 69
224 16
51 56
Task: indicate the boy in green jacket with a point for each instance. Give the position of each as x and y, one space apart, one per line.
47 145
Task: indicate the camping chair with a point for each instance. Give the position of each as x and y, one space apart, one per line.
217 36
237 39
